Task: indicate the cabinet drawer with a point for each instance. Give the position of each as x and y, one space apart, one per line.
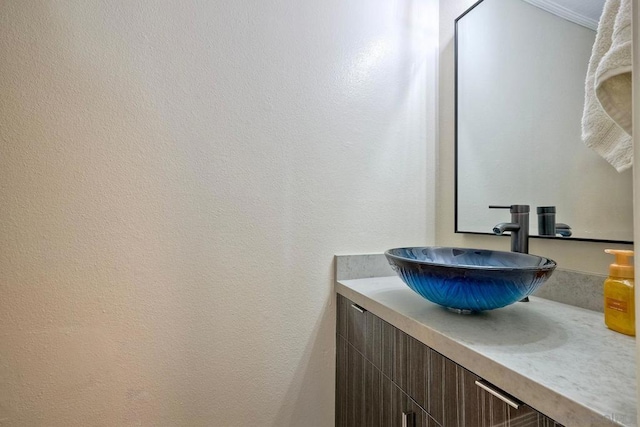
369 334
498 408
367 398
357 326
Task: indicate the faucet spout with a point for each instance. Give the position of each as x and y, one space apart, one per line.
499 229
563 229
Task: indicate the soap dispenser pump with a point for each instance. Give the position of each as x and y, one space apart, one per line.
619 303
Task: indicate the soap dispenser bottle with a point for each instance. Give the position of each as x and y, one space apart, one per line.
619 303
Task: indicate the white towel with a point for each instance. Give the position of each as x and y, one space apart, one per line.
606 122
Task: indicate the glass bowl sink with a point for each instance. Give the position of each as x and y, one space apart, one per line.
468 280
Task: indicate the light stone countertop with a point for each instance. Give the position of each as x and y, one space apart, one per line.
557 358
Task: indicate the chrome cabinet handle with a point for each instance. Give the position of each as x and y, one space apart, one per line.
358 308
506 398
408 419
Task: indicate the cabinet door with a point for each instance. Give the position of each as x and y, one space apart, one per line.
443 390
399 410
341 381
367 398
409 413
469 398
356 387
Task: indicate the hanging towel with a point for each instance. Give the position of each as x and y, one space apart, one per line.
606 122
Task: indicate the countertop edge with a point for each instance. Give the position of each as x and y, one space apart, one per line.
548 401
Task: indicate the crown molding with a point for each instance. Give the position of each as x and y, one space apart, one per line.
563 12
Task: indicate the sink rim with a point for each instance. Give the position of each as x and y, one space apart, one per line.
545 263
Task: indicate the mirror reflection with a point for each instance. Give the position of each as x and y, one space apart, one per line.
520 73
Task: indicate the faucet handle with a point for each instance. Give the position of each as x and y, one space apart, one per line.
512 208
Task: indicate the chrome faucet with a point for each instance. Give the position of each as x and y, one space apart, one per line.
519 227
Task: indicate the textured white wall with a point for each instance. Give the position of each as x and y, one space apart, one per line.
572 255
175 178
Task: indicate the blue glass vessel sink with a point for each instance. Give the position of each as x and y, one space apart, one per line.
468 280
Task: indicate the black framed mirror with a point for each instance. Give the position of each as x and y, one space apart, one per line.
520 73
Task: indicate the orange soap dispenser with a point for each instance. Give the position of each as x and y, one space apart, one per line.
619 303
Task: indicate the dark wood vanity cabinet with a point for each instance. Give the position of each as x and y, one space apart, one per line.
386 378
